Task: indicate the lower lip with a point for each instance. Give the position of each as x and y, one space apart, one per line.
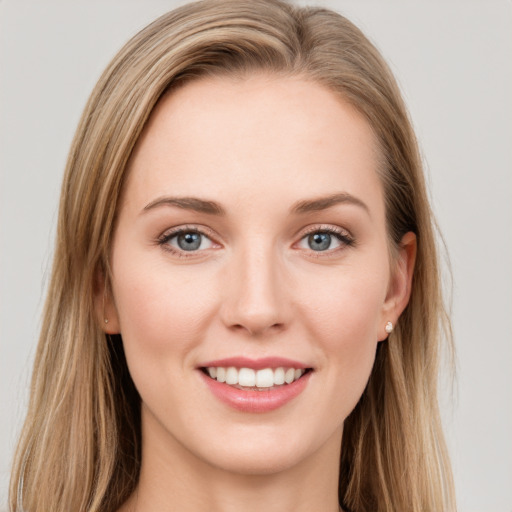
256 401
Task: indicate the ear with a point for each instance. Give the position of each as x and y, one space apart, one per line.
105 308
400 284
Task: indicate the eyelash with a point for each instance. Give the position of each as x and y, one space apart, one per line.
340 234
164 239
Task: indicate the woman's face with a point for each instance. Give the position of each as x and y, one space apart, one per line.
251 236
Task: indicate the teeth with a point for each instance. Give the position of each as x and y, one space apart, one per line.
289 376
221 374
247 377
231 376
265 378
279 376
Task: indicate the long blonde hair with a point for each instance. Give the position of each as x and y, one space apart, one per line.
80 446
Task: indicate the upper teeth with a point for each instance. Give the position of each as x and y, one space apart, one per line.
248 377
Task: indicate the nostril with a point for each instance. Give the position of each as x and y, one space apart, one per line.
255 329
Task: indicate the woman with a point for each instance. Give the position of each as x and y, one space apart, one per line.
245 308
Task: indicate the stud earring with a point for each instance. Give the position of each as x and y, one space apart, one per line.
105 319
389 328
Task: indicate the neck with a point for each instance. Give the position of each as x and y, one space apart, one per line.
172 478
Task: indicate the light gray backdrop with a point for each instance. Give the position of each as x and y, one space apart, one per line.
453 60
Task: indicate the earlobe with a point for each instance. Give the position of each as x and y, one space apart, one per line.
399 290
105 308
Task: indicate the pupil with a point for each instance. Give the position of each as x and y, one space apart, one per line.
319 241
189 241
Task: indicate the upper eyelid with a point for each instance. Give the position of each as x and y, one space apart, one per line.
203 230
324 228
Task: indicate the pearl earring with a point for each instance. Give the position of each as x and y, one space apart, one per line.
389 327
106 320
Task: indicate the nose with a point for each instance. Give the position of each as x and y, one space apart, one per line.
254 294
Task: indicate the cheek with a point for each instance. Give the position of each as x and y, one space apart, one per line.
344 324
162 315
158 308
345 306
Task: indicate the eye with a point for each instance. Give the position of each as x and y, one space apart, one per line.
188 240
322 240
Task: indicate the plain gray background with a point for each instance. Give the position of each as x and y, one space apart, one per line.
453 60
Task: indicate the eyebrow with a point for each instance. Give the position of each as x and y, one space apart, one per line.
188 203
213 208
323 203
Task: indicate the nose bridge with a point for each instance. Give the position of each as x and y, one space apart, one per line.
254 301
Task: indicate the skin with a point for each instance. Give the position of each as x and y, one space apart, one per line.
255 288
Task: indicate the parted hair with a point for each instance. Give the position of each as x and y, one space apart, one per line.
80 448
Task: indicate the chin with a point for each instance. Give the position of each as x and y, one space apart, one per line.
257 460
269 451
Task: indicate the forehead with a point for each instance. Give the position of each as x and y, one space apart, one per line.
248 138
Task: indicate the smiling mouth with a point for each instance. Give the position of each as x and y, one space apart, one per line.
248 379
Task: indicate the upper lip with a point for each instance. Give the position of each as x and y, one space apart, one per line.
255 364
